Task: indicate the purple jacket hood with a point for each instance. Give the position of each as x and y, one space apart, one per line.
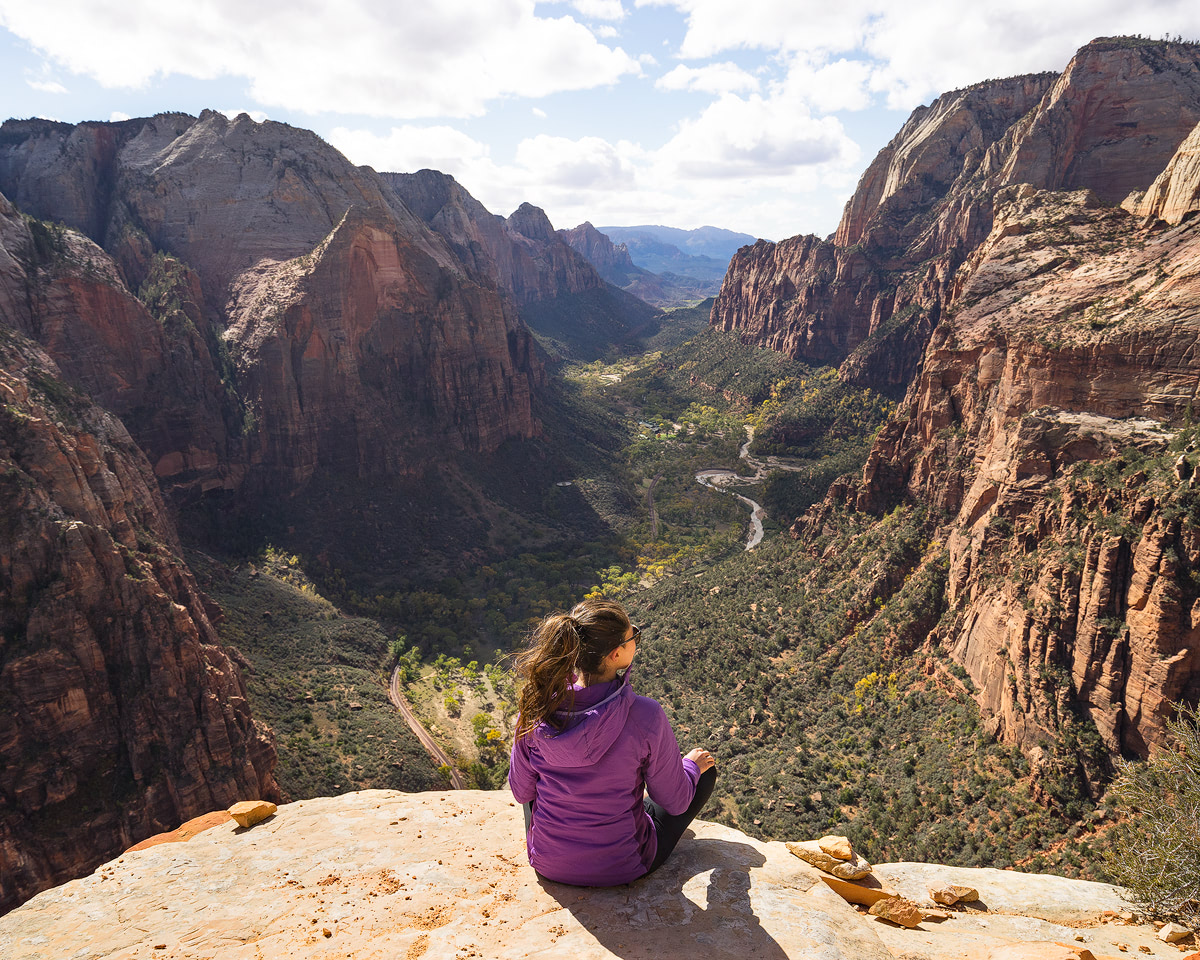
588 730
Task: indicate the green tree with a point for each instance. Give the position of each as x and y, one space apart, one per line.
1156 852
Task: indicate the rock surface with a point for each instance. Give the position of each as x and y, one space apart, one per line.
1176 192
385 874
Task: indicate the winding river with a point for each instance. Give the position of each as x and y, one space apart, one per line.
721 480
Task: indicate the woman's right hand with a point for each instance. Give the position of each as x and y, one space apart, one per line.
703 759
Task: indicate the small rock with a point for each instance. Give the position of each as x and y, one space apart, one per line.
1173 933
951 893
326 932
838 847
810 852
865 891
897 910
249 812
1145 949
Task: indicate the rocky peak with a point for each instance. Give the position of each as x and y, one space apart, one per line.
523 252
532 223
611 259
1109 123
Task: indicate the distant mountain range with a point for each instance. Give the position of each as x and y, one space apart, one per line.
702 254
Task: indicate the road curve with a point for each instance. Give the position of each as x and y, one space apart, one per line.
435 752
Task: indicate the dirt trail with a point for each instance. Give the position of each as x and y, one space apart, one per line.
430 745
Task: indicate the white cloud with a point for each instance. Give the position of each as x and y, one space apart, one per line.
919 49
840 85
606 31
730 166
117 116
410 148
715 78
590 163
445 59
47 86
538 112
757 137
600 9
258 116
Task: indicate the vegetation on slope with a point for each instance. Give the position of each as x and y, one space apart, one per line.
804 671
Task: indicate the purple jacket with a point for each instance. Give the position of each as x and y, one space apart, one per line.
589 826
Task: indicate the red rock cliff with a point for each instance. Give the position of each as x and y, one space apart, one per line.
1045 429
120 716
228 202
368 355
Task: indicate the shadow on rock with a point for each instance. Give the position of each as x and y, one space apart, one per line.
698 903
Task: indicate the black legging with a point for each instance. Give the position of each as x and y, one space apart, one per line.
668 828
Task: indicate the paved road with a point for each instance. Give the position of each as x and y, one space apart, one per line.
430 745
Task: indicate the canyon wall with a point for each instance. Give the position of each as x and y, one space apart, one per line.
1050 432
120 715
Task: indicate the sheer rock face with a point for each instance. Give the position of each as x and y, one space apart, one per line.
1065 589
528 258
356 358
120 716
1109 123
234 203
1176 192
158 377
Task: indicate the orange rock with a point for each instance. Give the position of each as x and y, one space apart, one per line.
897 910
186 831
249 812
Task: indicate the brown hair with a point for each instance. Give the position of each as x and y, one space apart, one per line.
563 646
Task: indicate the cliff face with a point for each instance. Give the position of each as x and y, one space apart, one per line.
870 296
119 713
155 372
523 252
356 359
228 203
1176 192
1039 430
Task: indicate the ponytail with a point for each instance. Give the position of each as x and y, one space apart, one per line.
563 647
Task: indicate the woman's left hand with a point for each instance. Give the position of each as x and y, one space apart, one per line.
703 759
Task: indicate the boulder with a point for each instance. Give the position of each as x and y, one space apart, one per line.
838 847
951 893
249 812
897 910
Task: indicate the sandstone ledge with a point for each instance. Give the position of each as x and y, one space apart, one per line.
382 874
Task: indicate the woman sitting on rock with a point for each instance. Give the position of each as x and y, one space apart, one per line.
588 748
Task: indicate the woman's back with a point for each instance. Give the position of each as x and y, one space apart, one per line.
589 825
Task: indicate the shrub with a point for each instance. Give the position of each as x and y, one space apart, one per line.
1156 855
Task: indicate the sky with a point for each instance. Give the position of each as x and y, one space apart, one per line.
754 115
